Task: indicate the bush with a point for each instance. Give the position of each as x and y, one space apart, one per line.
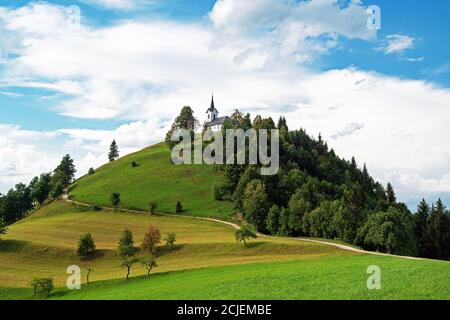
170 239
178 207
86 245
115 200
152 205
134 164
217 193
91 171
42 284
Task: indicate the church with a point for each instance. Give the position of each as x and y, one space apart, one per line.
214 122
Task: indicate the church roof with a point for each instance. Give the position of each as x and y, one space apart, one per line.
212 107
216 121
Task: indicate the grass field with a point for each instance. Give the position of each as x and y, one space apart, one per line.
155 179
206 264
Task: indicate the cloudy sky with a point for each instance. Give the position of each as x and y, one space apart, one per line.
76 74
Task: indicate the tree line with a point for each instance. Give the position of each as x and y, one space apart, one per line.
316 193
18 201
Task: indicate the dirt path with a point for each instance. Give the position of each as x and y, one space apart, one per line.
237 227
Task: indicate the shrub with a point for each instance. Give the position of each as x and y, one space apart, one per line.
178 207
152 205
170 239
42 284
86 245
134 164
217 192
91 171
115 200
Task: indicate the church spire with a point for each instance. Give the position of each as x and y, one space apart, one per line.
212 102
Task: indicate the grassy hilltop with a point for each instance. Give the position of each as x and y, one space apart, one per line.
154 179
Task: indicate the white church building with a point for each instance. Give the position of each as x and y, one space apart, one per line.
213 121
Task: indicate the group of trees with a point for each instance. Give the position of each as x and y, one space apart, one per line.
316 193
126 250
15 204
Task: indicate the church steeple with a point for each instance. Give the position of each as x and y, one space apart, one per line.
212 107
212 111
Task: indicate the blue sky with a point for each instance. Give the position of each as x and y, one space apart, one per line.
124 70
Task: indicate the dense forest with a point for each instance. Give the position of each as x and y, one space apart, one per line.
318 194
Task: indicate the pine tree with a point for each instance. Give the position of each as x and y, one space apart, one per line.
113 151
439 231
420 225
390 195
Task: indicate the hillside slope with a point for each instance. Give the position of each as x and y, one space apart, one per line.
154 179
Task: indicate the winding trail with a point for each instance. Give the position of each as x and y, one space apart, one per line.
237 227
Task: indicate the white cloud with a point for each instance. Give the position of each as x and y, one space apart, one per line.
118 4
397 43
148 70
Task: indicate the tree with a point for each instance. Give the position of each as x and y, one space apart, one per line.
128 263
421 218
91 171
273 219
41 189
170 239
43 284
57 191
390 195
185 120
149 263
64 172
390 232
439 232
3 227
115 200
113 151
244 234
151 240
134 164
125 247
255 204
86 245
126 251
319 222
88 274
178 207
152 205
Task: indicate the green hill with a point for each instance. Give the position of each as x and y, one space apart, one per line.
154 179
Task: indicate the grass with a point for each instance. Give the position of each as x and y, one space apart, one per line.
331 277
44 244
154 179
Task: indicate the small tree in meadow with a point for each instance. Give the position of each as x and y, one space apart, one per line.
91 171
134 164
151 240
86 245
244 234
113 151
152 205
170 239
126 250
178 207
149 263
115 200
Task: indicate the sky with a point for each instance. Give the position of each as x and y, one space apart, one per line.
74 75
